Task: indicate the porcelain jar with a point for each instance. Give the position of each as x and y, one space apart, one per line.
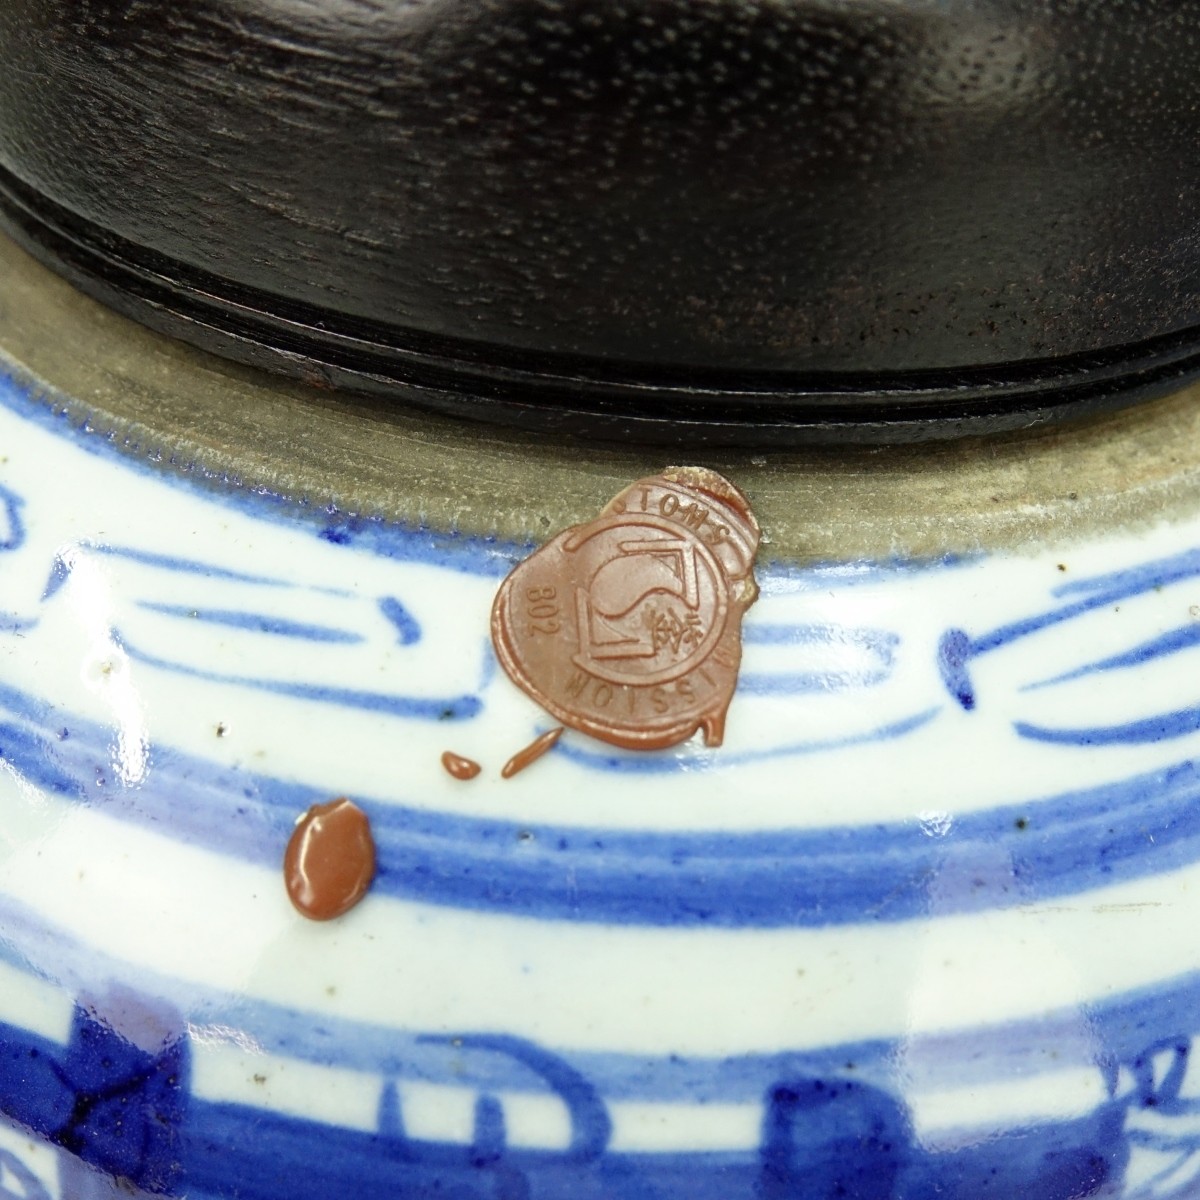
923 926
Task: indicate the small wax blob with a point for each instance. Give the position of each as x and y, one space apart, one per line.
330 860
460 767
531 753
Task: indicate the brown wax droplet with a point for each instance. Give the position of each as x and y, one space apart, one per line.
330 860
531 753
460 767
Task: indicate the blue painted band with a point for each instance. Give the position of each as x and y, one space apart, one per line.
1035 851
1112 1029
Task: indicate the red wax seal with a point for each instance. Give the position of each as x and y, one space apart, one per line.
629 627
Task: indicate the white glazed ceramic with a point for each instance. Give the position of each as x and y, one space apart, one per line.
925 926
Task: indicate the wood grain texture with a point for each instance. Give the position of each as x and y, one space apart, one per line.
797 185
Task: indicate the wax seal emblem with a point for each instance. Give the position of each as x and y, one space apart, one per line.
629 627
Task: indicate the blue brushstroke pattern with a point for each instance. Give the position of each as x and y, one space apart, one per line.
408 631
1014 854
186 566
113 1105
1133 733
591 1127
802 683
488 666
256 622
1113 1029
59 574
956 648
30 1186
820 633
1172 642
60 570
832 1137
823 1117
1132 581
822 1136
879 644
954 651
1068 1160
12 529
418 708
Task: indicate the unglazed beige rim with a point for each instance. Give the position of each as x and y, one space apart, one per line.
162 400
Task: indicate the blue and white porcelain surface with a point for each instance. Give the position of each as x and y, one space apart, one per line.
925 926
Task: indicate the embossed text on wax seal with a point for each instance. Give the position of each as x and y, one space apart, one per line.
629 627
